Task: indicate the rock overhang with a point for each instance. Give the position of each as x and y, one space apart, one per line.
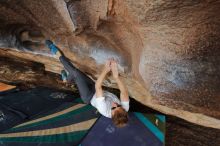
170 49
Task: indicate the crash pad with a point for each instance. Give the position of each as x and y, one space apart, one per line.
63 127
6 88
141 130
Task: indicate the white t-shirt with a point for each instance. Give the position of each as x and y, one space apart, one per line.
104 104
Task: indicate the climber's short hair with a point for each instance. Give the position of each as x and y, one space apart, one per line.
120 117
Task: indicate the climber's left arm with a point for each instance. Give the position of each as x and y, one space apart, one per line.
98 84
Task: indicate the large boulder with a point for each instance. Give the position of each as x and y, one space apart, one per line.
168 51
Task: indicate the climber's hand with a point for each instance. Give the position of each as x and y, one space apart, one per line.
107 67
114 68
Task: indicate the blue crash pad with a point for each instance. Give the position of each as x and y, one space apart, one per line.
142 130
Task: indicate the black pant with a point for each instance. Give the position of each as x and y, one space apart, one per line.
85 85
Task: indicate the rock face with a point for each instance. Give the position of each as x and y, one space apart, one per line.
27 74
168 51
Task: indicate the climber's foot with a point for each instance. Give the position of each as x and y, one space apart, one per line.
53 49
64 75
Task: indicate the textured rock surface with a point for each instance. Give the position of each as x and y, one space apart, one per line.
26 74
169 51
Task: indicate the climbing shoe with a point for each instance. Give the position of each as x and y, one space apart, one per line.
64 75
53 48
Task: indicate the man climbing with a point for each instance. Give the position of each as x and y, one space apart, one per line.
92 93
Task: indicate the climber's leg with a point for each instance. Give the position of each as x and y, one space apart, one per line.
85 85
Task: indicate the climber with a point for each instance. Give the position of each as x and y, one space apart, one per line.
92 93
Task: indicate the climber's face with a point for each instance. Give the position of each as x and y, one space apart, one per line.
115 107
